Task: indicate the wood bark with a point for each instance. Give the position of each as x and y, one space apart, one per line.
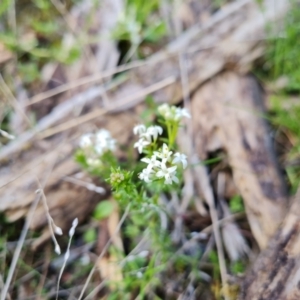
229 115
276 272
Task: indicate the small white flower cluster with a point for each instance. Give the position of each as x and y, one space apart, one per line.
96 144
101 141
173 113
162 164
146 135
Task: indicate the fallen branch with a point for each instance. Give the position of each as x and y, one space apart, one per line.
275 274
228 115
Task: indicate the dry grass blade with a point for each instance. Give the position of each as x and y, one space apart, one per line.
96 290
67 254
87 185
52 227
13 101
21 240
104 251
121 104
235 244
82 81
19 247
203 179
223 221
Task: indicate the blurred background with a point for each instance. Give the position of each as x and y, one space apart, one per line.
67 68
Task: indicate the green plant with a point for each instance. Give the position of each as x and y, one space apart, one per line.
40 38
238 267
283 56
139 23
158 170
236 204
286 119
282 62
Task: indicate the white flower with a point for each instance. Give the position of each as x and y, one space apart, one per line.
100 147
169 116
146 175
182 112
152 131
180 158
155 131
86 140
105 145
140 144
94 162
152 162
164 154
102 134
167 173
173 113
163 109
167 111
109 144
139 129
104 142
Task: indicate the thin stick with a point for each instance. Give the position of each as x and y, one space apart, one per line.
209 197
19 247
39 289
1 287
220 250
104 250
51 223
22 239
14 103
88 79
97 289
223 221
119 104
88 185
189 145
67 254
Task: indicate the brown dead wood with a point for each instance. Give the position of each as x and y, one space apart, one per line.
228 114
276 272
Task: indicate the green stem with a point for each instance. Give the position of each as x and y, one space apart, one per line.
172 133
169 134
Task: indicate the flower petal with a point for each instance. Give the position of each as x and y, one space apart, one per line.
160 174
172 169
